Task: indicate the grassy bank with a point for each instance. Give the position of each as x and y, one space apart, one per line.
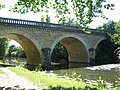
53 82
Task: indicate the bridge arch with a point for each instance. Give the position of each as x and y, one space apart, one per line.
104 52
99 41
29 44
76 48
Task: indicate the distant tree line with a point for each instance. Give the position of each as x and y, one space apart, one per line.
16 51
10 51
3 47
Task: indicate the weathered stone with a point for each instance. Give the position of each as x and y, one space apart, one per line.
33 40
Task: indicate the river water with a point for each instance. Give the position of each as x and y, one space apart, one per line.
110 73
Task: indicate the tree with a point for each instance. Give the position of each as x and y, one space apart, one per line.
20 52
60 54
11 50
4 43
16 51
107 26
80 11
116 38
2 6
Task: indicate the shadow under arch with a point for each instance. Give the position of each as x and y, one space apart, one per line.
77 51
105 52
31 51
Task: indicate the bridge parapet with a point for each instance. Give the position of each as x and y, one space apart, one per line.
48 26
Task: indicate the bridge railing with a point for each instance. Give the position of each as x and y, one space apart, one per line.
49 26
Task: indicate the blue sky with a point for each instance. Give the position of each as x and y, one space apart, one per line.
112 15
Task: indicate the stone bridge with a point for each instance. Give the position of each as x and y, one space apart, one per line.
39 39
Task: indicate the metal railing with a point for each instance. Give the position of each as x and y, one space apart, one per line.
48 26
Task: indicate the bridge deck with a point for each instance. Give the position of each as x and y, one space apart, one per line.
48 26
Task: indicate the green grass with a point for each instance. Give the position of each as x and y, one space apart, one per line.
52 82
1 62
44 81
2 72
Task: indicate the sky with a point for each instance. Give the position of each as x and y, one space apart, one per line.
113 15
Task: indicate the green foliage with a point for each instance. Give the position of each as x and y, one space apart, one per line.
60 54
73 75
101 84
117 34
2 6
16 51
80 11
3 47
116 38
117 83
107 26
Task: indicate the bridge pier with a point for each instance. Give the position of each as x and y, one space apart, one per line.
47 59
31 67
92 56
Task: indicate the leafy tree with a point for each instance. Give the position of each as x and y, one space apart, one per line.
107 26
60 54
80 11
116 37
20 52
16 51
2 6
12 49
4 43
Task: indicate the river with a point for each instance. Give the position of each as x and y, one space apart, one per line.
110 72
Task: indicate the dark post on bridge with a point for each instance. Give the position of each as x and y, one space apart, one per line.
47 59
92 56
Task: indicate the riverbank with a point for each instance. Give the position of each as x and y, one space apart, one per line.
52 81
10 81
49 80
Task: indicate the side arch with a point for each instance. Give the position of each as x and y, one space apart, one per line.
105 52
100 40
29 44
76 48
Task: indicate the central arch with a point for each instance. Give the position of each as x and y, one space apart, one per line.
28 44
77 51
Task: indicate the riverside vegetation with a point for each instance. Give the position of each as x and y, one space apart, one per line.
51 81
